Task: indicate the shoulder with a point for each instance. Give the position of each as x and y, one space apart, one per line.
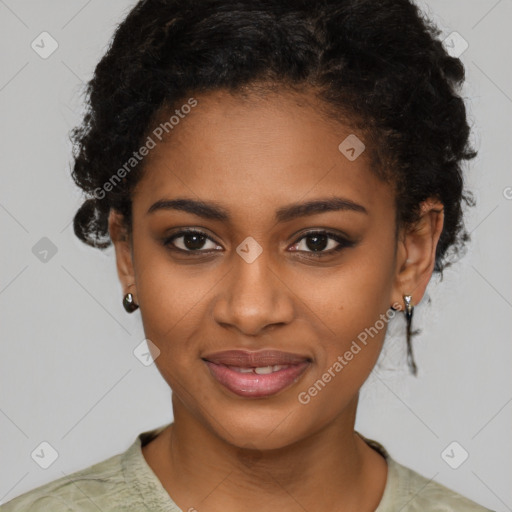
409 491
116 483
414 493
88 489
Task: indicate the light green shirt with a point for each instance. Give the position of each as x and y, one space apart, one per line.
125 482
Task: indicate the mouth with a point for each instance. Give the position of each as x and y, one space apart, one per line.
256 374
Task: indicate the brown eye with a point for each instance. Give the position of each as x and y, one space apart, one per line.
192 241
315 243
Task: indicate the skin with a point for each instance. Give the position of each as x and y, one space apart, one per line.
253 156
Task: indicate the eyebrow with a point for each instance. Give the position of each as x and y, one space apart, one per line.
213 211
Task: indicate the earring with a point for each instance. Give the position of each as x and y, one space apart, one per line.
129 303
409 310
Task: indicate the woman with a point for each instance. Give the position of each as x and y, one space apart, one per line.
278 179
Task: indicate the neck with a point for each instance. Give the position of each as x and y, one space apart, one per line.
332 469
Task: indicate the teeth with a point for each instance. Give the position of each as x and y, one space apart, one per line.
261 370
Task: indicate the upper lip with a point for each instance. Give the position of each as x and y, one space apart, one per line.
246 359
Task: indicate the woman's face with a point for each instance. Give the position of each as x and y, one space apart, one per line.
256 282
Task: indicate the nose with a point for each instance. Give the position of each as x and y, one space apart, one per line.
254 298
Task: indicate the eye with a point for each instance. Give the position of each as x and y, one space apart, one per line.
313 243
193 241
318 241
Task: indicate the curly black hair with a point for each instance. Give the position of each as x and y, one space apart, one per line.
379 65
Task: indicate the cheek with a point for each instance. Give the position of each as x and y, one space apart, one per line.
354 311
172 300
352 296
172 305
171 314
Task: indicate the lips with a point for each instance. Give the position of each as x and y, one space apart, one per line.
245 359
256 374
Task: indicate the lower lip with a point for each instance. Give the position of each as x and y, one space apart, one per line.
252 385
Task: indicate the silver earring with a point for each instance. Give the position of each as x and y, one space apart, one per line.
129 303
409 310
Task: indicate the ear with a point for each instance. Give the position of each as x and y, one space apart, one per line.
416 253
123 248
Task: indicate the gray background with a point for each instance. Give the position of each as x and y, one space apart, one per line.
67 369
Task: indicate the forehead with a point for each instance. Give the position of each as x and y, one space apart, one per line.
257 152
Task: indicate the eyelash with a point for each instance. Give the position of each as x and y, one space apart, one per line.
343 242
